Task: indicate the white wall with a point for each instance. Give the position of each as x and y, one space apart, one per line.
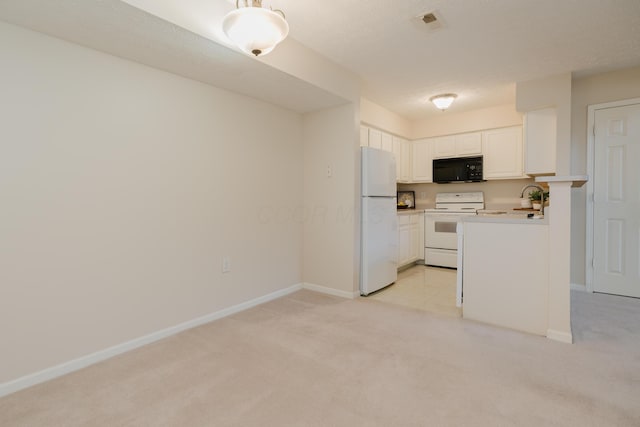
331 204
597 89
122 187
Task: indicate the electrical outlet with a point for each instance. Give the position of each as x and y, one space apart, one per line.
226 264
329 171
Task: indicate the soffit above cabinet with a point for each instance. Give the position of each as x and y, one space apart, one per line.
119 29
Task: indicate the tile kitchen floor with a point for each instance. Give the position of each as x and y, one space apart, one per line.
430 289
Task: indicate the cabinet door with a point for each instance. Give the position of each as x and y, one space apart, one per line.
386 142
406 160
468 144
420 235
422 161
397 152
444 146
404 245
540 141
375 138
415 238
402 150
502 150
364 136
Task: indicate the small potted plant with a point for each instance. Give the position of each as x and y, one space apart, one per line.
536 198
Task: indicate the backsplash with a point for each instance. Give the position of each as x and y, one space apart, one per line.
498 194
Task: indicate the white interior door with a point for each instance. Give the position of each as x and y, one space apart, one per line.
616 201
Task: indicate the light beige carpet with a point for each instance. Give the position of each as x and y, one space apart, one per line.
314 360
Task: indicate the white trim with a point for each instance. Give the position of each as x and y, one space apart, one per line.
330 291
560 336
578 287
591 139
99 356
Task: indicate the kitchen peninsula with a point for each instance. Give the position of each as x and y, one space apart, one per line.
515 270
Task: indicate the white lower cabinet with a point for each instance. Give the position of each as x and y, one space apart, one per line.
410 238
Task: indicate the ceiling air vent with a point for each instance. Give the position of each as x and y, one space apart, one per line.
432 21
429 18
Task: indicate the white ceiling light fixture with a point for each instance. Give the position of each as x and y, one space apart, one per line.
443 101
254 29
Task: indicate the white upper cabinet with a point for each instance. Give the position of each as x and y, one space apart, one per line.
402 151
462 145
540 141
364 136
386 142
401 148
502 153
444 146
375 138
422 170
469 144
502 150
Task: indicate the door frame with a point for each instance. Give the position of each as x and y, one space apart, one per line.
591 146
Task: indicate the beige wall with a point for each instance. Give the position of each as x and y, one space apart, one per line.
122 188
498 194
597 89
331 204
377 116
293 58
451 123
553 91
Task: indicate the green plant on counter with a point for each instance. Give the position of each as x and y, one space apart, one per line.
536 196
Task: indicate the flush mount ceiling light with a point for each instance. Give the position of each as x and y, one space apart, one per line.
254 29
443 101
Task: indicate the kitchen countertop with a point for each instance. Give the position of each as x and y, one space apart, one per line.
507 218
410 211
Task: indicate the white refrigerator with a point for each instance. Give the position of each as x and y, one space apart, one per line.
379 229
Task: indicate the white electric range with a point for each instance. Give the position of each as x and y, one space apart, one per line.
440 238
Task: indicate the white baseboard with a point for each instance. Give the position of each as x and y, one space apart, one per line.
330 291
560 336
578 287
90 359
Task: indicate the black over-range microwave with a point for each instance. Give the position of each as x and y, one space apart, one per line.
458 169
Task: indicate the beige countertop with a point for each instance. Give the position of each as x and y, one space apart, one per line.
507 218
410 211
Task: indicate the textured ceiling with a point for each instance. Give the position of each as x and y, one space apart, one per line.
480 50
